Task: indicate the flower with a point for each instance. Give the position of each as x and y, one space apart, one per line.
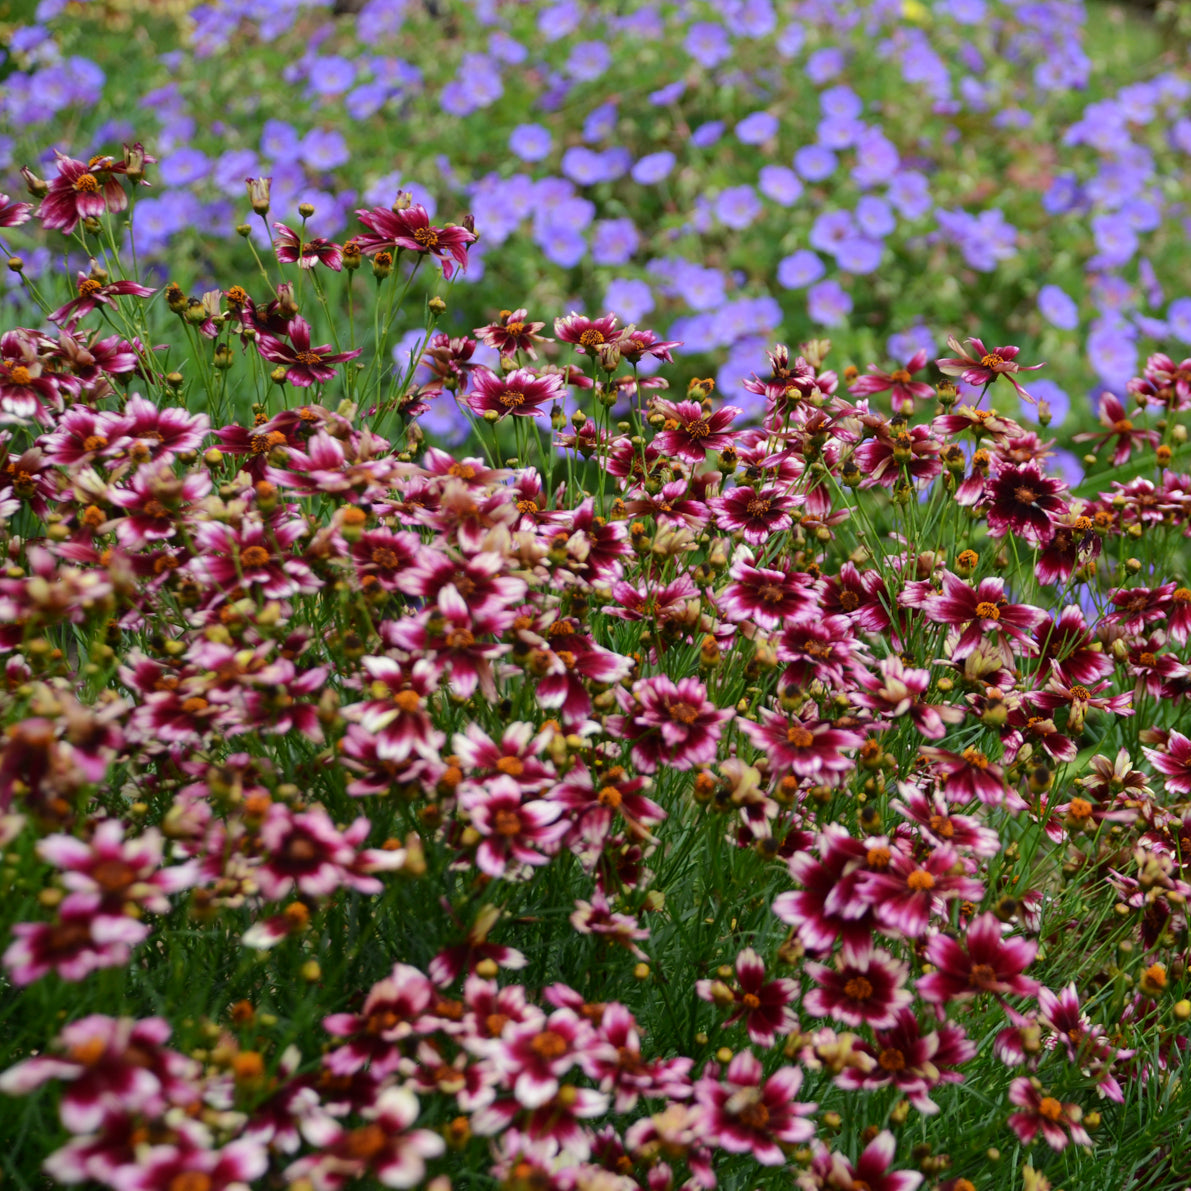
292 249
669 723
902 387
13 214
512 333
411 228
989 963
82 190
1173 761
520 392
764 1005
1113 416
984 366
585 333
93 293
1038 1112
806 748
982 610
746 1114
904 894
305 366
1023 501
866 989
690 431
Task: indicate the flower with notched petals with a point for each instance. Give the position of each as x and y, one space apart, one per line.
904 894
13 214
305 365
82 190
532 1058
1173 761
520 393
765 595
866 989
755 513
513 332
1115 418
807 748
514 832
981 610
968 775
394 1010
291 249
870 1171
1022 501
989 963
748 1114
983 367
1058 1122
93 293
900 383
764 1005
690 431
668 723
411 229
584 333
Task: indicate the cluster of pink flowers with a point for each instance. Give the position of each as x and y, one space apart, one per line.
262 679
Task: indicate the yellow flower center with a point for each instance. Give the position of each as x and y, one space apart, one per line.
512 398
592 338
987 611
87 184
920 880
799 737
427 237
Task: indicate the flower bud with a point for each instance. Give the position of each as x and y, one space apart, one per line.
277 376
194 312
306 210
223 357
175 299
403 201
134 162
259 194
382 265
437 306
37 187
243 230
287 305
16 264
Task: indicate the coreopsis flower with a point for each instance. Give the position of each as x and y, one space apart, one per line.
568 661
305 366
13 214
109 1065
631 1075
228 1168
256 556
512 333
690 431
1073 544
824 650
28 389
882 458
532 1058
1115 418
979 423
593 802
521 393
910 1060
517 755
748 1114
988 963
82 190
983 367
83 938
93 293
1079 700
981 610
1173 761
765 1006
596 917
381 557
1136 607
633 344
586 333
968 775
828 907
756 514
668 723
766 596
1058 1122
513 832
411 229
447 965
396 1009
385 1149
896 690
806 748
1022 501
162 433
869 1173
861 596
306 852
122 872
939 827
866 988
291 249
909 889
899 383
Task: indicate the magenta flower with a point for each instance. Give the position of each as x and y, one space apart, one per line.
395 1009
292 249
764 1005
755 513
968 775
866 989
514 832
532 1058
900 383
690 431
1114 417
981 610
667 723
882 458
513 332
984 366
823 650
805 748
871 1170
896 691
989 963
747 1114
520 393
1022 501
305 366
1173 761
385 1149
92 293
1058 1122
586 333
13 214
766 596
904 894
81 191
411 229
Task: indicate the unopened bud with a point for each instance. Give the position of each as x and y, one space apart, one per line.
16 264
37 187
306 210
382 265
437 306
259 194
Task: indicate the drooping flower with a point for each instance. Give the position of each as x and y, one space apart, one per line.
92 293
586 334
82 190
521 393
291 249
983 367
900 383
1058 1122
305 365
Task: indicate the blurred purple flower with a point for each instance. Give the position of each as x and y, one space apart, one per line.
828 304
707 134
830 229
790 41
653 167
757 128
559 20
279 140
1112 353
815 162
614 241
667 95
874 217
857 254
600 123
800 269
779 183
967 12
823 65
630 298
332 76
838 132
366 100
232 168
909 192
1116 241
1056 398
708 44
737 207
1178 317
755 18
531 142
506 49
588 60
1058 308
905 344
324 149
184 167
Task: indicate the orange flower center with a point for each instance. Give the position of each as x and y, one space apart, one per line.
1050 1108
849 601
610 797
1182 595
592 338
512 398
982 976
992 360
255 556
427 237
408 701
800 738
700 428
308 358
506 822
513 766
892 1059
975 758
19 375
920 880
89 286
1148 659
1079 808
683 713
549 1045
385 558
754 1116
901 376
1080 693
365 1143
87 184
751 1001
858 989
194 705
1025 496
188 1180
758 506
987 611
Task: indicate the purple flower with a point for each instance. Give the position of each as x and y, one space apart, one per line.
324 149
857 254
815 162
839 133
800 269
967 12
1058 308
232 168
588 60
366 100
279 140
779 183
587 167
823 65
1178 318
667 95
1112 352
563 246
874 217
708 44
790 41
1116 241
531 142
506 49
653 167
560 20
830 230
828 304
332 76
755 18
904 344
757 128
707 134
702 288
600 123
614 241
184 166
1062 195
877 159
841 103
1057 400
909 192
737 207
629 298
